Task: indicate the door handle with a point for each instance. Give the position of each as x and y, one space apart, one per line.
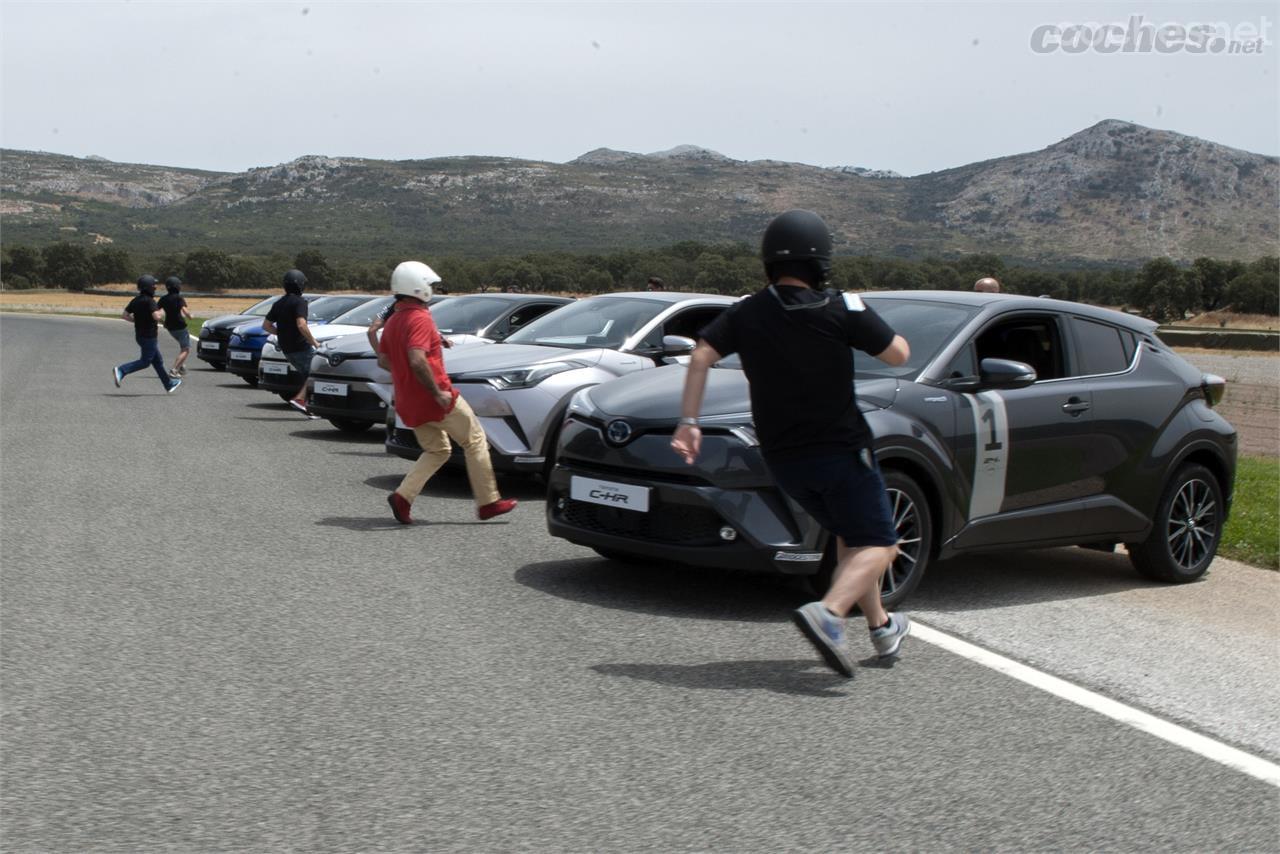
1074 406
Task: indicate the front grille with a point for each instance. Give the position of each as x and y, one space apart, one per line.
625 472
678 524
354 400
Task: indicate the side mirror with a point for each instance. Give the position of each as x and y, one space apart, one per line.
1005 373
677 345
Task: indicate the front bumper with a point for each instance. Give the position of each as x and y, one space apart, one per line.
334 396
212 350
687 507
243 363
402 442
271 377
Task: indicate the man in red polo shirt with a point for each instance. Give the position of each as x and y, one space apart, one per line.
426 401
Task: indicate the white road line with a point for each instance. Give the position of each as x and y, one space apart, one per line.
1254 766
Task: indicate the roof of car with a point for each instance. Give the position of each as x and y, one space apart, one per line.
513 297
669 296
1018 301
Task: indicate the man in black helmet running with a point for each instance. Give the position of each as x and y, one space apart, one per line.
175 323
794 341
287 320
144 314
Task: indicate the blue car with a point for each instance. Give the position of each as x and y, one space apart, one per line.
244 348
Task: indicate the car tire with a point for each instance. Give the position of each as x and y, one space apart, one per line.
252 381
350 425
217 366
1185 530
913 519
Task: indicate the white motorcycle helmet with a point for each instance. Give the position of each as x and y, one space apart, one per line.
413 279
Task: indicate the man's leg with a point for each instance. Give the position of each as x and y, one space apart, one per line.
184 344
464 428
151 355
137 364
435 453
857 580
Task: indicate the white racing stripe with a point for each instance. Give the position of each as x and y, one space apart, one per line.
1254 766
991 438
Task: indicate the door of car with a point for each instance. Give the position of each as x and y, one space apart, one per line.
1028 449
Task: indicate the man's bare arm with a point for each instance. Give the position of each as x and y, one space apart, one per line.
896 353
306 332
422 371
687 441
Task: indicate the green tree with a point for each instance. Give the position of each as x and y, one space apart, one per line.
312 263
1257 290
1163 292
715 275
66 266
1211 277
595 281
210 270
26 262
111 265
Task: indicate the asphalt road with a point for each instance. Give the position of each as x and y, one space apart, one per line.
214 638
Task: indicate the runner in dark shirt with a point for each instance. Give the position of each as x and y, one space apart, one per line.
794 343
175 323
143 313
287 320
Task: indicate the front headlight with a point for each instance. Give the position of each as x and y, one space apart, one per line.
524 377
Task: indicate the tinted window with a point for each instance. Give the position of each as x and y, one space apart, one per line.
363 315
261 309
462 315
1102 350
588 323
327 308
927 326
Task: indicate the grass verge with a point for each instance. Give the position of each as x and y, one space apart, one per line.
1252 534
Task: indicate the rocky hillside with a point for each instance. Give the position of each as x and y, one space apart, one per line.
1114 192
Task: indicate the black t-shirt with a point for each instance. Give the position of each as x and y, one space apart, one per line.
173 304
142 307
794 343
284 314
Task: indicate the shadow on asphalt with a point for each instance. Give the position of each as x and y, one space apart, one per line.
385 523
334 436
454 484
685 592
805 677
1002 579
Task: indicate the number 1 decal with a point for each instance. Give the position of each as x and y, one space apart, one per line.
991 453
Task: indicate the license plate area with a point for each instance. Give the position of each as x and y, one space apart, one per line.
331 389
208 345
608 493
241 355
274 368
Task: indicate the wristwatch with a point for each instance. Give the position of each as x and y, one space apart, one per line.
688 422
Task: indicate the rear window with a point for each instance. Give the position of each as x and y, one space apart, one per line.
1103 348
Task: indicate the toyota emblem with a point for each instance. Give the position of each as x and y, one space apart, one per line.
618 432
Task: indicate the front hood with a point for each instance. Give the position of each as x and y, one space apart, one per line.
502 357
350 344
247 329
655 395
226 320
336 330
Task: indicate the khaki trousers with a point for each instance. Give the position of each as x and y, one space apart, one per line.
463 427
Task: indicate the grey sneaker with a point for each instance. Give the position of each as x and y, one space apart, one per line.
173 386
826 632
117 376
173 372
182 372
889 638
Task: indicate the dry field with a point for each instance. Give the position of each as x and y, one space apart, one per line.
62 302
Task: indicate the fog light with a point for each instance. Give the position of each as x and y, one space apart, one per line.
728 534
561 504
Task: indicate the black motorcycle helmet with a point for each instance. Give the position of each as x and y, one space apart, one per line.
294 282
147 285
797 243
173 284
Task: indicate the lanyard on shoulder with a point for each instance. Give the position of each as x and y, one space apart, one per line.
826 298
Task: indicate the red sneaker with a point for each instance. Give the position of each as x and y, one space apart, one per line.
497 508
399 508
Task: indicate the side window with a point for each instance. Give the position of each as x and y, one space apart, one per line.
1031 340
526 313
687 323
965 364
1102 348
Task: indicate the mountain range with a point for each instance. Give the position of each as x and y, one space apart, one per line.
1114 192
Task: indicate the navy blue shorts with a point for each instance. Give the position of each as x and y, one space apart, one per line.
844 493
301 360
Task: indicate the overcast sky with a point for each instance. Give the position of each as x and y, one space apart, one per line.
912 87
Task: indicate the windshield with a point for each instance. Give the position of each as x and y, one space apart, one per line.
926 324
590 323
462 315
363 315
326 309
